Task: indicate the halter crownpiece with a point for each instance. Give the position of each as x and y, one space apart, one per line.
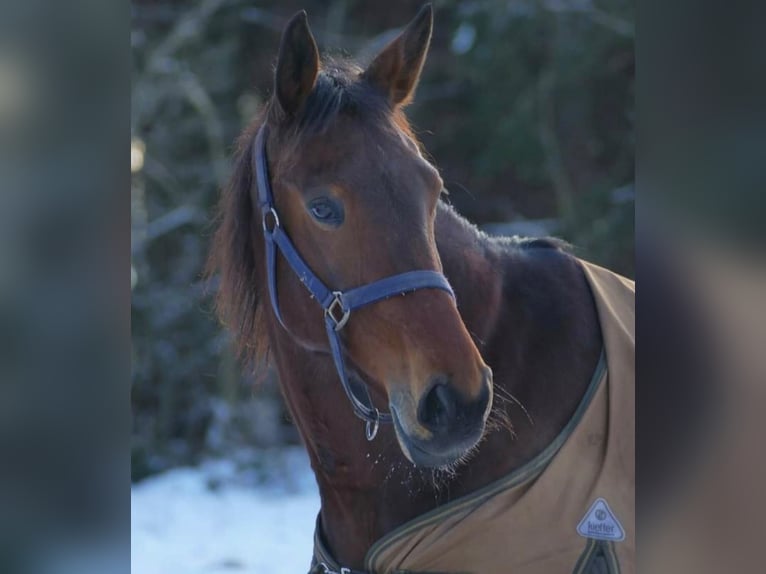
337 305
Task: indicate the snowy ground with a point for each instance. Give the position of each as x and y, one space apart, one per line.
226 517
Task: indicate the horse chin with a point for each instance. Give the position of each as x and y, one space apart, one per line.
422 454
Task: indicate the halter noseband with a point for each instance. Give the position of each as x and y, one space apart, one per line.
337 305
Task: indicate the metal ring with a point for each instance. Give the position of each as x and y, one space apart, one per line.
337 304
327 570
273 213
371 433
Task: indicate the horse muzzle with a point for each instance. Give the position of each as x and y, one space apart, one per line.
444 425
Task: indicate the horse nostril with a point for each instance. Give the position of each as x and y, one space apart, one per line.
437 408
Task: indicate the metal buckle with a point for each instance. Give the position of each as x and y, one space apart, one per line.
328 570
273 213
337 307
372 432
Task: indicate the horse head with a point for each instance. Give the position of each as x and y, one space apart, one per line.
358 200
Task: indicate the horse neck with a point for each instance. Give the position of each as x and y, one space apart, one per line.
363 484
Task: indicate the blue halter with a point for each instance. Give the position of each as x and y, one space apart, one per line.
337 305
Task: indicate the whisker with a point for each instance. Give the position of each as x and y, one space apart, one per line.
507 396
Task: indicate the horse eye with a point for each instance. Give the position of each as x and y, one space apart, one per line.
327 211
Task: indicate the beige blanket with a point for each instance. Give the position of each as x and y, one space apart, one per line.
571 509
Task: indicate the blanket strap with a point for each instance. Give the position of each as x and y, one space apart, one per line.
323 562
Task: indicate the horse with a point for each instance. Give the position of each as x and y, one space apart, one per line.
468 358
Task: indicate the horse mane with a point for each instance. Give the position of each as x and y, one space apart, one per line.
234 255
543 243
517 242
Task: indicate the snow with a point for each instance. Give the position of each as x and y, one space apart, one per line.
219 517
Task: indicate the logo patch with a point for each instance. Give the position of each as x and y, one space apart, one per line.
601 523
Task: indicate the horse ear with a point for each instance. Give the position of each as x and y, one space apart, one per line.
397 68
297 65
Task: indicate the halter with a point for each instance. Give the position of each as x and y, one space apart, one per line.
337 305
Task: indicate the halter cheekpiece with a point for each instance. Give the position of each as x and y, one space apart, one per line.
337 305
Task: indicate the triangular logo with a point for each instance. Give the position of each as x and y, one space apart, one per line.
601 523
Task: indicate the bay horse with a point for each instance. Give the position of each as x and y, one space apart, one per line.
341 263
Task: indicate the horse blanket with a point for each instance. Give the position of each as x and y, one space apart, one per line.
571 508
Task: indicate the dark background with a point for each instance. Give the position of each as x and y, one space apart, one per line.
526 107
